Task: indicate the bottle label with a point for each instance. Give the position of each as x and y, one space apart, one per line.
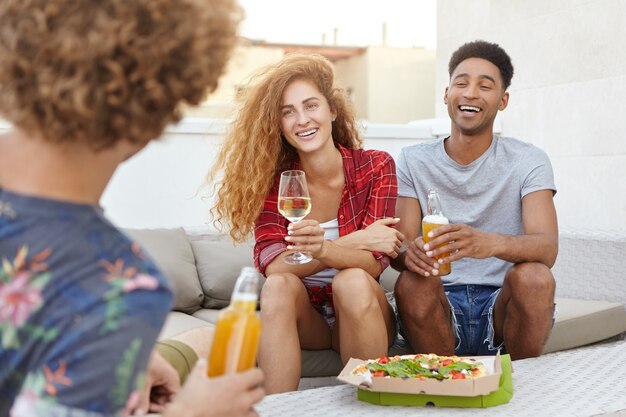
245 297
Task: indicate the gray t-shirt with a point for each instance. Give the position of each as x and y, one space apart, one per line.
486 194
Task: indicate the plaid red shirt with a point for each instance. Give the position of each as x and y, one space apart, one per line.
369 194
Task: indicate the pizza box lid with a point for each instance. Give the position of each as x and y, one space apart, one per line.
469 387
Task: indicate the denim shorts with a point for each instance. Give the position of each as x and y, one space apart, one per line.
472 318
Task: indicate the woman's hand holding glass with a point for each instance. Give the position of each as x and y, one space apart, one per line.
306 236
295 204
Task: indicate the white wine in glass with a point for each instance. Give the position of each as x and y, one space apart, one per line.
295 204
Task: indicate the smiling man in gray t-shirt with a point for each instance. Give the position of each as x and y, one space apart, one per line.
502 238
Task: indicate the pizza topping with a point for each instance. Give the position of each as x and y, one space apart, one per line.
422 366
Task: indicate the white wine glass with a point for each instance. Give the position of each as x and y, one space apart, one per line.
295 204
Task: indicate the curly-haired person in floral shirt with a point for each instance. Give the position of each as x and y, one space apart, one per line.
86 85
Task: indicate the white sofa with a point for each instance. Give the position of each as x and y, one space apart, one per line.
203 267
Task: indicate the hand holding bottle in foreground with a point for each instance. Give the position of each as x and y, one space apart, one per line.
232 395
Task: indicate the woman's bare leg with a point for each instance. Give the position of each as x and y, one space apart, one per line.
289 323
365 320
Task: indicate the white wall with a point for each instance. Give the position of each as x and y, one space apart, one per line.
401 84
160 186
568 93
352 75
394 85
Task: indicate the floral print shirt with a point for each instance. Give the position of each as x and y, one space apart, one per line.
80 308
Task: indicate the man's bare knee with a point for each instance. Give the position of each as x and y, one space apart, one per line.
410 284
530 283
417 296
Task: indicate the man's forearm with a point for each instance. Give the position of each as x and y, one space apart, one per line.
340 257
542 248
351 240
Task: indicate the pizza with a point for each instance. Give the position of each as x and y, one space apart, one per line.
422 366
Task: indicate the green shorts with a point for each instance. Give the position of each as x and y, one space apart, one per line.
179 355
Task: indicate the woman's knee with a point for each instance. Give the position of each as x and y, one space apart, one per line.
356 287
277 292
349 282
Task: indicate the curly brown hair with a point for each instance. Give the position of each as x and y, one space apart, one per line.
255 152
101 71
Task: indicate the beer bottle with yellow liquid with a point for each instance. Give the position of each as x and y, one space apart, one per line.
433 219
238 329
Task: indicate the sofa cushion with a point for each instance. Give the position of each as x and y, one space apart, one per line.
177 322
327 362
581 322
219 263
171 251
208 314
388 278
318 363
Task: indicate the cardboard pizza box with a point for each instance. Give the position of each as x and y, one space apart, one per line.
502 396
470 387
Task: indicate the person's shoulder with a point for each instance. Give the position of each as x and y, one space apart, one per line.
420 149
520 147
363 157
373 154
516 144
130 255
423 146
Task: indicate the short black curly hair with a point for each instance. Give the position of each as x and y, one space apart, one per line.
492 52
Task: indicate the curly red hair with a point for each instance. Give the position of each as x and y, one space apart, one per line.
254 151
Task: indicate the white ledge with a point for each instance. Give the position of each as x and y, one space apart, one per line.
431 129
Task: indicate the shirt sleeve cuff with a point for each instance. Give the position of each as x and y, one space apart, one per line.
269 253
382 259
